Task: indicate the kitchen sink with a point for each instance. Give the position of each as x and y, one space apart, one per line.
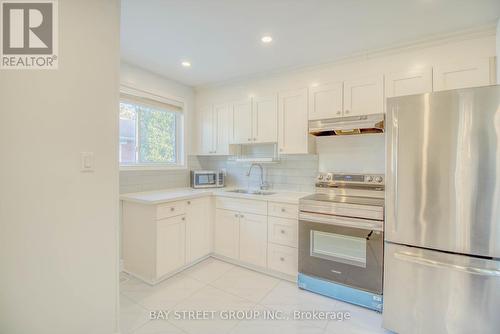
251 192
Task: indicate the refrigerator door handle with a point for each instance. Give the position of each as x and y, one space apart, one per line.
415 258
395 146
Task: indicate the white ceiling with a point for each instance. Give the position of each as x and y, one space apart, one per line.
221 38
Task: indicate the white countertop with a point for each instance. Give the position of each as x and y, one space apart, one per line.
177 194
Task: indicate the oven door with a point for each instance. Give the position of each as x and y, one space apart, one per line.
343 250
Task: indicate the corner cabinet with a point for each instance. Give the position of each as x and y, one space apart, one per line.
160 240
255 120
293 136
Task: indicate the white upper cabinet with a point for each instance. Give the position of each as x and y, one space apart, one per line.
457 75
207 131
242 122
222 114
293 137
265 119
255 121
364 96
325 101
408 82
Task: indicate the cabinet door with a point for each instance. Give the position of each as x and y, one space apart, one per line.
292 119
408 82
197 228
364 96
226 234
265 119
223 128
170 245
325 101
242 122
462 75
253 239
207 131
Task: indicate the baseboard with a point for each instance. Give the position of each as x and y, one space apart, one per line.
266 271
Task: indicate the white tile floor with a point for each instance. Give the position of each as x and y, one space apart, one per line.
213 285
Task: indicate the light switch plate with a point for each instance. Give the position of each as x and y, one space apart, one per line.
87 163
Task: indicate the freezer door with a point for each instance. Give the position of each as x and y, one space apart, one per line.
443 171
434 292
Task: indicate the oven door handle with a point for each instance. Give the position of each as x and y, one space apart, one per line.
342 221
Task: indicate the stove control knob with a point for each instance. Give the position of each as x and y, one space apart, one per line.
369 178
378 179
320 177
328 177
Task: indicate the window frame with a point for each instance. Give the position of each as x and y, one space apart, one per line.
128 92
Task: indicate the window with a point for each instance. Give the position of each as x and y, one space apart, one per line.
150 133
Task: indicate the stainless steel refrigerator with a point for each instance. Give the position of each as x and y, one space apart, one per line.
442 227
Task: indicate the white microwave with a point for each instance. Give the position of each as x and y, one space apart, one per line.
206 179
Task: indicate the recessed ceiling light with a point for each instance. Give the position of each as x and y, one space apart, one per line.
186 64
266 39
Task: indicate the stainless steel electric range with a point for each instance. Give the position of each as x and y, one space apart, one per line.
341 238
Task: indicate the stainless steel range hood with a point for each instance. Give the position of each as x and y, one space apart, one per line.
352 125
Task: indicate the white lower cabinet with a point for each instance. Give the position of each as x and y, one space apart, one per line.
197 229
226 234
170 244
253 239
159 240
283 259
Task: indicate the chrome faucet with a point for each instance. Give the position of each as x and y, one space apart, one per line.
263 185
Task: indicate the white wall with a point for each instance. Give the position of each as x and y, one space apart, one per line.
58 226
132 181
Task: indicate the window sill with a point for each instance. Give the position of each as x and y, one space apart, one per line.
152 168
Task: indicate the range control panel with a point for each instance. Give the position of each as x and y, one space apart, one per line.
340 178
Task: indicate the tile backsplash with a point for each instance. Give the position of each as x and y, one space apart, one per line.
354 154
293 172
135 181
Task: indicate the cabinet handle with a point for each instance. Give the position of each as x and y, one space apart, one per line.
282 231
338 112
172 209
347 111
254 139
183 218
236 215
282 259
283 209
241 216
281 150
189 202
249 139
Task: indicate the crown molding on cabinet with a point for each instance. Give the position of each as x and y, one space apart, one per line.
433 40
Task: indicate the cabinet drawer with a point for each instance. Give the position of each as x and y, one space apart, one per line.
283 210
282 259
283 231
170 209
241 205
